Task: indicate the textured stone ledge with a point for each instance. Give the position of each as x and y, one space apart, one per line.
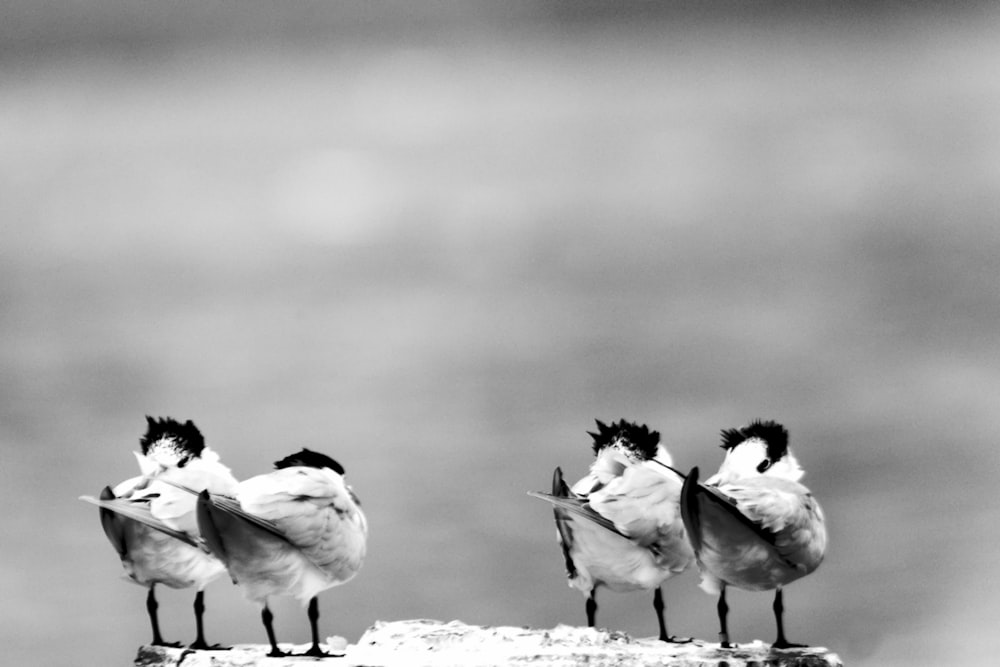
436 644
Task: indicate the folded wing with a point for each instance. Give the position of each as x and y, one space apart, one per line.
138 509
642 503
787 512
305 507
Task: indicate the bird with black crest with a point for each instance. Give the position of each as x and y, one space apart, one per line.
152 524
753 525
619 526
296 531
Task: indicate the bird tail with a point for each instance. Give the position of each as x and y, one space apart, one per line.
689 510
210 520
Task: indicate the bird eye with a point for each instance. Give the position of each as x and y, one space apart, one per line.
763 465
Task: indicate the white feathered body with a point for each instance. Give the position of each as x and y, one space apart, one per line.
757 531
151 556
324 528
734 554
641 499
156 558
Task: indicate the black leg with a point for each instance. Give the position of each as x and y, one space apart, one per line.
592 608
268 617
315 651
659 606
779 611
723 610
151 607
199 612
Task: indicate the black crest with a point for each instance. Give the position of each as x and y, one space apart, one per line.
637 438
771 432
309 459
185 437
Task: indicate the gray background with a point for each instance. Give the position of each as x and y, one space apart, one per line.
435 242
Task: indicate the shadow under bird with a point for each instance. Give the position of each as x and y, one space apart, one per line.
620 525
752 524
295 531
152 524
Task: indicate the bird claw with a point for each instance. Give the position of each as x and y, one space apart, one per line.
315 652
787 644
167 644
202 646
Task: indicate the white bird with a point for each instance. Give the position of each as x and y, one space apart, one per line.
620 525
752 525
152 524
295 531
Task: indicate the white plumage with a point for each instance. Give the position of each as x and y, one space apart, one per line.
152 524
296 531
752 524
620 525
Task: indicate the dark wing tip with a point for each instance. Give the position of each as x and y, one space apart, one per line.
561 490
689 509
204 511
559 486
112 524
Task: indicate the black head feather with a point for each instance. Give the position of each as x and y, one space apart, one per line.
637 438
774 435
184 437
309 459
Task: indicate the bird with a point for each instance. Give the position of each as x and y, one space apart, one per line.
619 526
152 525
753 525
295 531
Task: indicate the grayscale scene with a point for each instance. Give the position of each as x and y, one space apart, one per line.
436 241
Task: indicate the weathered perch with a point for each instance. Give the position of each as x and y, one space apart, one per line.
435 644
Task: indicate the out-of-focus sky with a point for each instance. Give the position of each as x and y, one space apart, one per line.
436 242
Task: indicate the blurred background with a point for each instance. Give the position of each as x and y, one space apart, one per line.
436 240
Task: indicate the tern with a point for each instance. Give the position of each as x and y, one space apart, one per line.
753 525
620 525
295 531
152 524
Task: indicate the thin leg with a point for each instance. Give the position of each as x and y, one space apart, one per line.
659 606
315 650
151 607
199 611
592 609
779 610
268 617
723 610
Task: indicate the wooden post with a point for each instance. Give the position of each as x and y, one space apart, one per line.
423 643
